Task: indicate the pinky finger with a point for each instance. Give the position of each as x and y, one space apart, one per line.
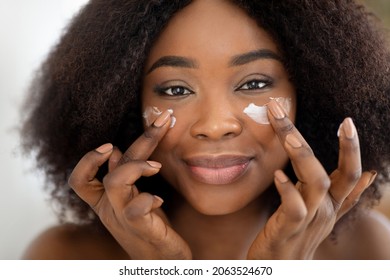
352 199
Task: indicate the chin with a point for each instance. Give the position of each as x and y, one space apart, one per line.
221 199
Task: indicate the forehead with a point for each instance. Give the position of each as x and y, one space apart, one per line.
208 28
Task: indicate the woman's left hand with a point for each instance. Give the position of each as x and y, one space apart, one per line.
310 208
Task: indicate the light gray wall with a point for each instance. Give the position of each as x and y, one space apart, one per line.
28 28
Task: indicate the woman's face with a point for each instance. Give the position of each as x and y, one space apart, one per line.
208 65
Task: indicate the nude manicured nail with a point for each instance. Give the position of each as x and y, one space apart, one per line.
154 164
105 148
373 176
158 198
162 119
293 141
339 130
281 177
349 128
276 110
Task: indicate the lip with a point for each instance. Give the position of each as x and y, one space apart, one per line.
218 170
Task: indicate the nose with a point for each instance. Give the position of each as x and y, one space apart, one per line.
216 121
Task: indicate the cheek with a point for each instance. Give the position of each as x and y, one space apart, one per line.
270 151
174 139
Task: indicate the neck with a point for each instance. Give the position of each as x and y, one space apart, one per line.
220 237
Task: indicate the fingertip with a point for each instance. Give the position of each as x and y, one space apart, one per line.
157 202
154 164
283 184
105 148
151 168
281 177
163 119
347 129
114 159
372 178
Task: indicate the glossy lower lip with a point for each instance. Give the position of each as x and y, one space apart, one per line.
219 170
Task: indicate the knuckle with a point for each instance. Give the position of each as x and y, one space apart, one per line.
305 152
286 128
354 176
72 181
133 213
75 181
298 215
323 182
109 180
127 157
138 208
150 136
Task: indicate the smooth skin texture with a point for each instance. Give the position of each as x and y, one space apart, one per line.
208 80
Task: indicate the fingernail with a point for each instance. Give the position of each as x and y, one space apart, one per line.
154 164
373 176
163 118
276 110
349 128
150 115
159 198
339 130
104 148
173 119
281 177
293 141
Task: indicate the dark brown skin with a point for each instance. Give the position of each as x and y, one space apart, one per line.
229 220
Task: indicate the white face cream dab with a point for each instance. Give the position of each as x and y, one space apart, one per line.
259 113
151 114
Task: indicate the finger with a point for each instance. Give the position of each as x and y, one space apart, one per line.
349 167
292 211
144 146
151 228
312 176
114 159
137 209
119 184
353 198
82 179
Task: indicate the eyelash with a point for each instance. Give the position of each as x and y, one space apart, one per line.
256 84
164 90
251 85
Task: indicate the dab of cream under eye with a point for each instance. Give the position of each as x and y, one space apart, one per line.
259 113
151 114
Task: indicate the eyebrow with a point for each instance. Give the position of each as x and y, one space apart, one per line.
253 56
173 61
238 60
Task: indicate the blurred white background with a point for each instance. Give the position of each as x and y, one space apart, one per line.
28 29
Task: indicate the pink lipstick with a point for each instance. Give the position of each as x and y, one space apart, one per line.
218 170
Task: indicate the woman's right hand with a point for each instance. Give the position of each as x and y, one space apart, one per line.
134 219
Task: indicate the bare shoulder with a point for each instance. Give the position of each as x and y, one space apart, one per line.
367 238
69 241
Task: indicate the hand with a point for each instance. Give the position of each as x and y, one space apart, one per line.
134 219
310 208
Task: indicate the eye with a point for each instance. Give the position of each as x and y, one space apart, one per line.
173 90
254 85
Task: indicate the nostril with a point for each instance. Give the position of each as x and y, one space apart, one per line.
230 135
201 136
216 125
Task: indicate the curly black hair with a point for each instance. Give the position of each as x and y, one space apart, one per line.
86 93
